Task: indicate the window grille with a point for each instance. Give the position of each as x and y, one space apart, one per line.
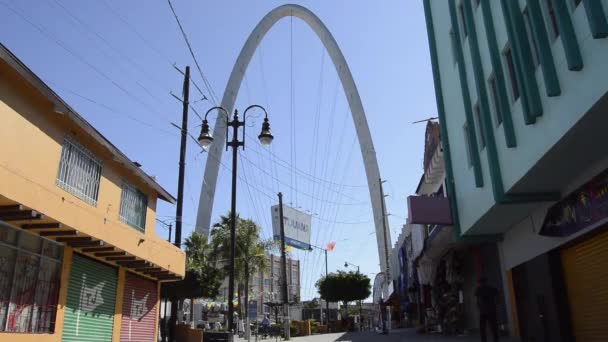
133 206
79 171
30 270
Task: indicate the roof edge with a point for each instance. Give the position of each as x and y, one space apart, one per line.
62 107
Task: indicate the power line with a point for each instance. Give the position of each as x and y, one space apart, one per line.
107 43
198 67
137 33
285 164
114 111
304 193
61 44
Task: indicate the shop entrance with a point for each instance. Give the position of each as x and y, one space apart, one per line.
585 266
541 305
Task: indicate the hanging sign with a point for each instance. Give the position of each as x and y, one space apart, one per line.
296 225
582 208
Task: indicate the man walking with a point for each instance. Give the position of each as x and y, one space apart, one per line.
487 300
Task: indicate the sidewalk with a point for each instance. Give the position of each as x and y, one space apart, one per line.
406 335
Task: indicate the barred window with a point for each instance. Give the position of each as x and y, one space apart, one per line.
79 171
30 270
133 205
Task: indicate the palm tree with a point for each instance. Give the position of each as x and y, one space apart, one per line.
250 252
203 278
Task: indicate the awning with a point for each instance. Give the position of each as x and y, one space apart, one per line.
429 210
21 217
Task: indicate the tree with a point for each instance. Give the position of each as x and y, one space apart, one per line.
203 278
344 287
250 252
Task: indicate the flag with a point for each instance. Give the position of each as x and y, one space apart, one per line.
330 246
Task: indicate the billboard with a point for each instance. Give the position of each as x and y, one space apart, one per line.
296 225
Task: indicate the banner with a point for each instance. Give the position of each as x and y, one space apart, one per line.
253 310
296 225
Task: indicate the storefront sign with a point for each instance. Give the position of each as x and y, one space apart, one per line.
429 210
581 209
296 225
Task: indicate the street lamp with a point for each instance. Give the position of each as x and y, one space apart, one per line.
346 263
205 139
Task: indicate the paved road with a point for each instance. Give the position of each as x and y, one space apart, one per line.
406 335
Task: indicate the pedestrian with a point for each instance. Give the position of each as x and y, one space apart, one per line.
487 301
266 326
235 321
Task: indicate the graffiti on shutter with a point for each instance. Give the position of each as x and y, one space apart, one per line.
89 311
139 309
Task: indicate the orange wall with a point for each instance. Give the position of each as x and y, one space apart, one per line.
31 136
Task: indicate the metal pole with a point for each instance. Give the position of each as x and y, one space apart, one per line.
235 145
182 161
284 271
360 308
388 273
180 189
326 302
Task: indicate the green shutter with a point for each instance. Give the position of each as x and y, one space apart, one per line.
89 314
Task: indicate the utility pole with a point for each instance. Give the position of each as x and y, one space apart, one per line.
180 189
182 161
388 267
384 230
326 302
284 267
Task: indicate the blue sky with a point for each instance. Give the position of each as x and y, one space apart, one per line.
113 62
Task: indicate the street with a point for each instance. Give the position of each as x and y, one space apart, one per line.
409 335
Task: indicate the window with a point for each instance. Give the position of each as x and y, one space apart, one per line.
463 22
494 96
467 144
30 270
512 75
79 171
531 38
133 206
550 13
453 43
481 130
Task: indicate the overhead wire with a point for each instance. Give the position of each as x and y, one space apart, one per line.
198 67
88 27
80 58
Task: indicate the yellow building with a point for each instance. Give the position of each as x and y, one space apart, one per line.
79 258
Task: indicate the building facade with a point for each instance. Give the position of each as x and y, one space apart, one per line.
521 96
266 286
436 272
79 257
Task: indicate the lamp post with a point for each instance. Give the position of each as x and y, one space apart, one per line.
326 302
346 264
205 139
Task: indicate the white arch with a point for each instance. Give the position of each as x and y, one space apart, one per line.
205 207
